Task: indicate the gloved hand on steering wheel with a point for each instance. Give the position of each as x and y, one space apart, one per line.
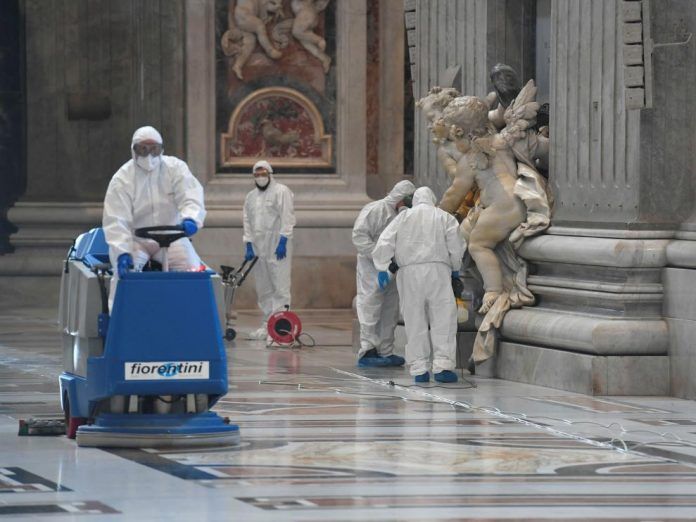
124 263
249 255
189 226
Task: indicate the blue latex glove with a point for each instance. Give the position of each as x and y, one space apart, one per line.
249 255
282 250
189 226
383 279
455 274
125 262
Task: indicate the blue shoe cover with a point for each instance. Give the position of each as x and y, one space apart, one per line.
372 359
395 360
423 377
446 376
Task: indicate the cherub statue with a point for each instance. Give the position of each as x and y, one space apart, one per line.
247 21
306 18
513 202
447 152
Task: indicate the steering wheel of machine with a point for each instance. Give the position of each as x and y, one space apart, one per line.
164 235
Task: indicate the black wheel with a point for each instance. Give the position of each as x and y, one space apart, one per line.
230 334
66 409
71 424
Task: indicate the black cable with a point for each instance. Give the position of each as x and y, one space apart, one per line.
306 345
298 339
471 386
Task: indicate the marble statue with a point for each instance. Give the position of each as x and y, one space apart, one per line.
494 149
247 21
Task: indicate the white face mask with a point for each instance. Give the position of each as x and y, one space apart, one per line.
262 181
148 162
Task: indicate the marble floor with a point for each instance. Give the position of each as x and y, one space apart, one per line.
325 441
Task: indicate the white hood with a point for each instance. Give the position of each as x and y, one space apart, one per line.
400 191
424 196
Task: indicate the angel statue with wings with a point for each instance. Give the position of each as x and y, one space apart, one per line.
512 201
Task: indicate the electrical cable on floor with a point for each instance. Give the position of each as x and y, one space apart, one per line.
297 342
303 387
425 386
615 443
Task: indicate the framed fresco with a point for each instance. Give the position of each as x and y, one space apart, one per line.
278 124
276 84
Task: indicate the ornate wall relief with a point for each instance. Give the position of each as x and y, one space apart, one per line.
276 122
276 84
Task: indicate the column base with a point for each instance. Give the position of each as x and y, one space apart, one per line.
578 372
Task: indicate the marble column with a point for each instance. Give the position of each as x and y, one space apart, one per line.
388 97
95 71
599 272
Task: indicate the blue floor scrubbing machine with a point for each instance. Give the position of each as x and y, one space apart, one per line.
146 374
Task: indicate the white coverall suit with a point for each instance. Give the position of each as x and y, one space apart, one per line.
269 214
378 311
136 198
426 243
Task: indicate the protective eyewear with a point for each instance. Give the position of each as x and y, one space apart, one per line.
147 149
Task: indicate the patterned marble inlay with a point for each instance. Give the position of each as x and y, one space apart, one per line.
432 501
19 480
418 457
597 405
42 509
321 446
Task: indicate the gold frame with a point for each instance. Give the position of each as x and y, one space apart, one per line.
325 140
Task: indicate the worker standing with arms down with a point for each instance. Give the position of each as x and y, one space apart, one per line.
378 311
428 249
151 189
269 219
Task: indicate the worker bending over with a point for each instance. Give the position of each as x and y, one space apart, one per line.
378 311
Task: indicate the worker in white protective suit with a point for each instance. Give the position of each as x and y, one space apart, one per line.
378 311
151 189
269 219
428 249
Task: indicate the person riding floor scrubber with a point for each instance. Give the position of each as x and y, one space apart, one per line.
144 372
151 189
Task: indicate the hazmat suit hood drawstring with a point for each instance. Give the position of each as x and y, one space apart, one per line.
400 191
424 196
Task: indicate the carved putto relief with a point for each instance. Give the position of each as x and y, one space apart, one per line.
272 24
